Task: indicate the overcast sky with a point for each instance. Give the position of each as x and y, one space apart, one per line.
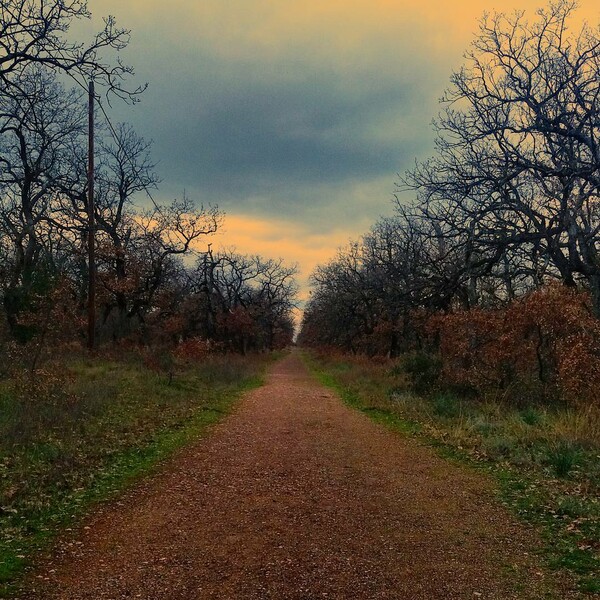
294 116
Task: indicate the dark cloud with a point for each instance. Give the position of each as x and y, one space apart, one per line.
268 106
285 135
251 131
292 131
305 132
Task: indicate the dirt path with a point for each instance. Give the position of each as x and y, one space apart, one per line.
296 496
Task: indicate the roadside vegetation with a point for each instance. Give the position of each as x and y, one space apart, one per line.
86 427
544 457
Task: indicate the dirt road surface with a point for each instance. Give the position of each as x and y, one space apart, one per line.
296 496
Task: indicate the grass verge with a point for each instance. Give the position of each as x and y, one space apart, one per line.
544 459
68 441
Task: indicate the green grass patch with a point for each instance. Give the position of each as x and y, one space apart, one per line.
544 459
70 441
563 457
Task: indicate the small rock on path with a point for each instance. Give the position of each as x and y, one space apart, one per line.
296 496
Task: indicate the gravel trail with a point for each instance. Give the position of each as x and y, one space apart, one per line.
296 496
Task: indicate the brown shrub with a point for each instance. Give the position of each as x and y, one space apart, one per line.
193 350
548 340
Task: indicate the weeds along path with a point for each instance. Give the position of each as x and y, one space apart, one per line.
296 496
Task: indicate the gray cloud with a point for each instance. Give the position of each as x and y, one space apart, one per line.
305 132
267 106
261 137
301 131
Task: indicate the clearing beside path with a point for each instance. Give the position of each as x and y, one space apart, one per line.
296 496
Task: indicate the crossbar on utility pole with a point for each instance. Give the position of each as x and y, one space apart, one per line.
91 227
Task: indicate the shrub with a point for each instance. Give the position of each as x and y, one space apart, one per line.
447 405
484 426
193 350
498 447
160 360
543 345
423 370
563 457
531 416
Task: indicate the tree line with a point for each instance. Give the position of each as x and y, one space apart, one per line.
508 204
156 282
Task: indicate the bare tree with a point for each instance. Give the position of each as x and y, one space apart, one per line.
125 169
34 32
38 124
518 162
140 250
247 300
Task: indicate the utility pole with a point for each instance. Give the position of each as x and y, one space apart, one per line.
91 227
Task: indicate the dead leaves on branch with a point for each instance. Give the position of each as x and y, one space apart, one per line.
549 337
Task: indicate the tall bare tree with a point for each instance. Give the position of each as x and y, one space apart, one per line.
518 161
38 124
35 33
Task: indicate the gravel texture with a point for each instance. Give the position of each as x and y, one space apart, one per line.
296 496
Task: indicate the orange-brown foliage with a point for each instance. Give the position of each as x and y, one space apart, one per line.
549 337
193 350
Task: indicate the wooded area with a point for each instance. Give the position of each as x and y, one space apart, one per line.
493 270
157 283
